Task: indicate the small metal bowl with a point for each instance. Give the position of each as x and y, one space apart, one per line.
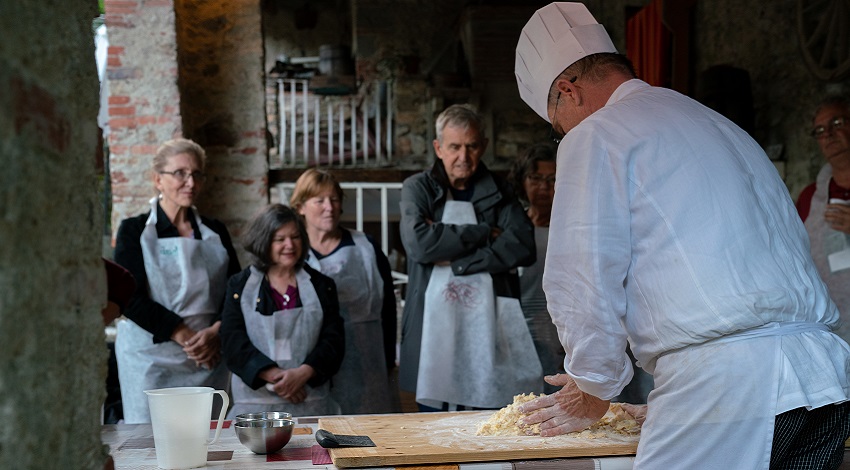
260 415
264 436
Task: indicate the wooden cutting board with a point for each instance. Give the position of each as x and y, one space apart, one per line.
432 438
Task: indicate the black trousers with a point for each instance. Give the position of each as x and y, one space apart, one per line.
810 440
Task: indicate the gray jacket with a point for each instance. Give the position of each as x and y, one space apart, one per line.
468 247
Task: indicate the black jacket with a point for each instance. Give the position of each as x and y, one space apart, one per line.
141 308
246 361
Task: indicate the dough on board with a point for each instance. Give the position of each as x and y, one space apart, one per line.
505 422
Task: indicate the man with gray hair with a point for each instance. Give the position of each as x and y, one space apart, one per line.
671 230
464 341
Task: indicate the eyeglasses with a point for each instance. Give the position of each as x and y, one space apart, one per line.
183 175
834 123
539 180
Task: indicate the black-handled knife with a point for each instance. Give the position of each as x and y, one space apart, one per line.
330 440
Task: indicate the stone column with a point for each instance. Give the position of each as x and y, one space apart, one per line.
52 282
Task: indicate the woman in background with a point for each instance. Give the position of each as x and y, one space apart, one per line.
367 302
281 331
533 180
180 261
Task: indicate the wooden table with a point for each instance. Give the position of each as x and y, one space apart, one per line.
132 447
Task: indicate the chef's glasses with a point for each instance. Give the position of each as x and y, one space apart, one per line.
183 175
834 123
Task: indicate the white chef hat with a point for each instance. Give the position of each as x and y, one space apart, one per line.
555 37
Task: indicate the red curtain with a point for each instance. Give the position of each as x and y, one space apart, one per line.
648 44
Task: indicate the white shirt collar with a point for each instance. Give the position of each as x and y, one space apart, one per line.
625 89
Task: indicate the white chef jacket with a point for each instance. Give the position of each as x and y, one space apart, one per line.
671 228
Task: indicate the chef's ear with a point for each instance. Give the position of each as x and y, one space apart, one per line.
570 90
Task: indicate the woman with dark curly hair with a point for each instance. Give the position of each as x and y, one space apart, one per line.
281 332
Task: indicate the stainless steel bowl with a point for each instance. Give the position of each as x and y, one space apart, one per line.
264 436
260 415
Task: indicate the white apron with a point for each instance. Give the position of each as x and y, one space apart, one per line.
476 348
286 337
820 235
361 386
701 419
188 277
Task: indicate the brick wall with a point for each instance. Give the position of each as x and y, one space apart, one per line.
144 102
222 102
192 69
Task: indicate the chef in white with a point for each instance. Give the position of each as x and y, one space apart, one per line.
672 231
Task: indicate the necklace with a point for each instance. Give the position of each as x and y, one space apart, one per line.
290 297
286 294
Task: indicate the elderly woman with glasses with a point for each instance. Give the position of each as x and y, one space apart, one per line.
824 205
533 179
181 262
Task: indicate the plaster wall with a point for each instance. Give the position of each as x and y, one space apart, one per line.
441 53
760 37
52 344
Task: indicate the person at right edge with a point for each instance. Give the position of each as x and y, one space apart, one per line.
824 205
671 230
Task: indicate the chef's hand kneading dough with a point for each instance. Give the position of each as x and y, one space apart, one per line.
617 420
